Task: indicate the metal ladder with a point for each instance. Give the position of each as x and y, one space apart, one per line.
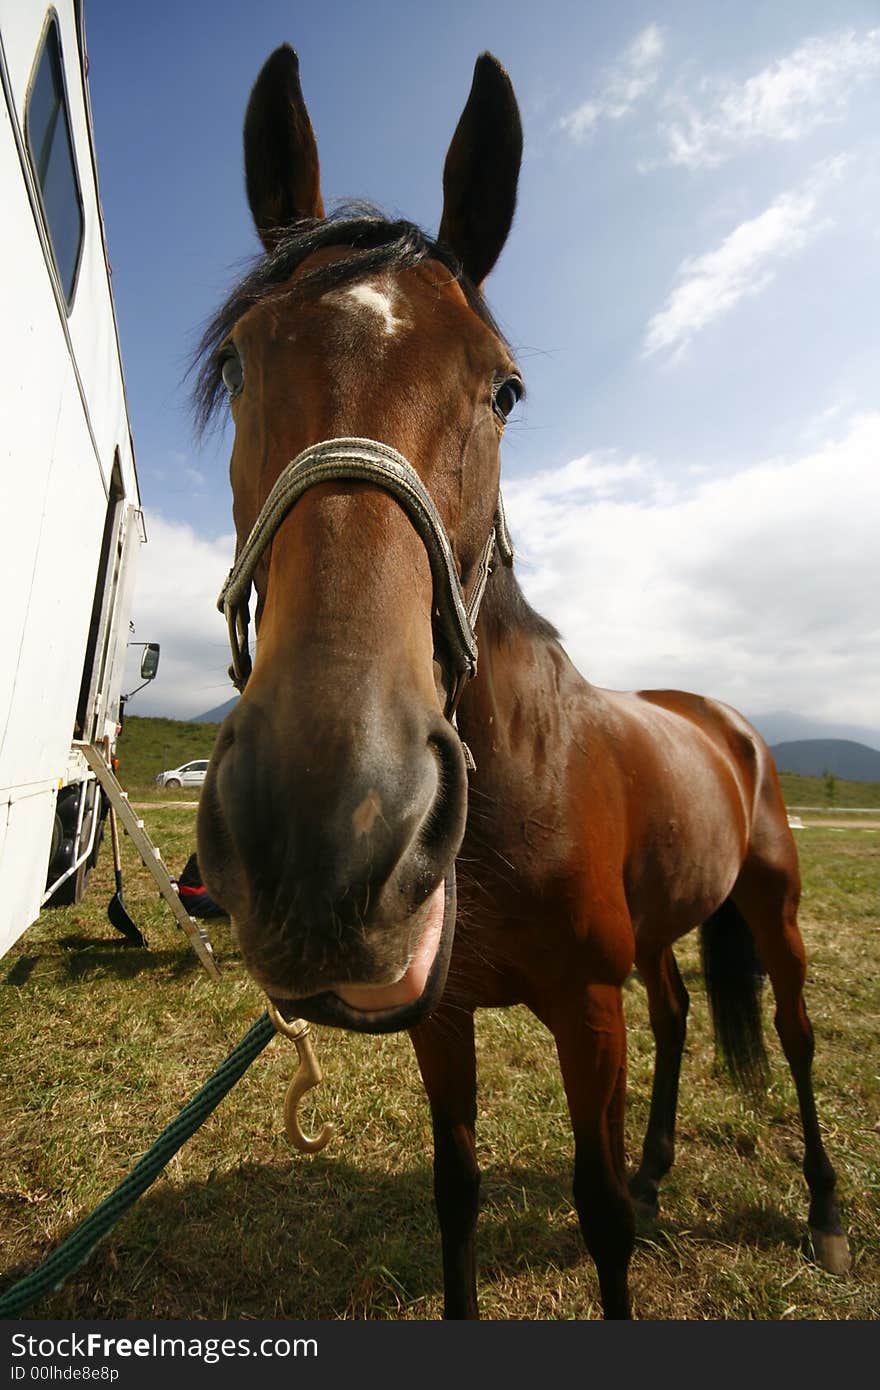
198 937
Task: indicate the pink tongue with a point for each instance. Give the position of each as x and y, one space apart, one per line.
411 986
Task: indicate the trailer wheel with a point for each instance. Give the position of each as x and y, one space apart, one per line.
66 851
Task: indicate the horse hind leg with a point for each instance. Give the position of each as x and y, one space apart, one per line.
444 1047
668 1003
767 896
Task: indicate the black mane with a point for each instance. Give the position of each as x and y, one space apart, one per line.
376 244
506 609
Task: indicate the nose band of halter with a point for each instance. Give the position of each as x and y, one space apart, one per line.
368 461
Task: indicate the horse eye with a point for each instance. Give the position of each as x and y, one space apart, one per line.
232 372
506 395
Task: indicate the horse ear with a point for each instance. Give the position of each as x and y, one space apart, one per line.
280 152
481 171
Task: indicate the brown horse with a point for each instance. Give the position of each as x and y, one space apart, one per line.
369 387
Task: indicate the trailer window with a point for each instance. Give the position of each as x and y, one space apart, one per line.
50 145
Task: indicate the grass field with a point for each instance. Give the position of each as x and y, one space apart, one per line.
103 1043
149 746
830 793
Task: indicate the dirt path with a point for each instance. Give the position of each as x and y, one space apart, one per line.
847 824
161 805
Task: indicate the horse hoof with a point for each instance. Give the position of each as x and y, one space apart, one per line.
645 1209
831 1252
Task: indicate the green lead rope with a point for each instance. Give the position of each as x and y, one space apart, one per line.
76 1249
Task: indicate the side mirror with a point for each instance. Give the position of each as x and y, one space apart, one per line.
150 661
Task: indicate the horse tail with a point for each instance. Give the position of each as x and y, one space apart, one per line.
734 975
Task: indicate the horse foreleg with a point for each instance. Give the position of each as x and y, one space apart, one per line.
591 1042
445 1050
668 1010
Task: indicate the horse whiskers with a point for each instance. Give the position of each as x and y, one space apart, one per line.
443 1024
490 866
476 792
476 887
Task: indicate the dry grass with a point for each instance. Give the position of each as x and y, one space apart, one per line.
104 1043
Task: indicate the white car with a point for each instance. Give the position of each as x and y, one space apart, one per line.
189 775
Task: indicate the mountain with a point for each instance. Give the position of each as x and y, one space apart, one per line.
784 726
813 757
216 715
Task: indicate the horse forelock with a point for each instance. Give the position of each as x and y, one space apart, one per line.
375 244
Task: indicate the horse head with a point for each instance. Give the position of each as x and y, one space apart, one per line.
369 385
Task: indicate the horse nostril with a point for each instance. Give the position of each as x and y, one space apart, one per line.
446 814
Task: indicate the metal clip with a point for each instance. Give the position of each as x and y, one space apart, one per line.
307 1075
468 755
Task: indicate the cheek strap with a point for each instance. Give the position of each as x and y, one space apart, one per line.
369 461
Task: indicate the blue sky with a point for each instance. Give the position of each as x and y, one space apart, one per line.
691 285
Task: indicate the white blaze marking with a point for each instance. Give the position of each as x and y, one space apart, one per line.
378 302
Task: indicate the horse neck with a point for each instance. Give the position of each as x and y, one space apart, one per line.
511 711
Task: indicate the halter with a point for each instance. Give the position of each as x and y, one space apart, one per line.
368 461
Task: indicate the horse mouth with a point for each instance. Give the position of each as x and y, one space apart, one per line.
390 1008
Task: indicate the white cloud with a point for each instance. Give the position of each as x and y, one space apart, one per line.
743 265
179 578
818 425
784 101
758 588
634 74
595 475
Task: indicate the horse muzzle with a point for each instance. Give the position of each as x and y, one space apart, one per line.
334 858
403 1003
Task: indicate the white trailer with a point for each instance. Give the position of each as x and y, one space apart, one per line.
70 513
